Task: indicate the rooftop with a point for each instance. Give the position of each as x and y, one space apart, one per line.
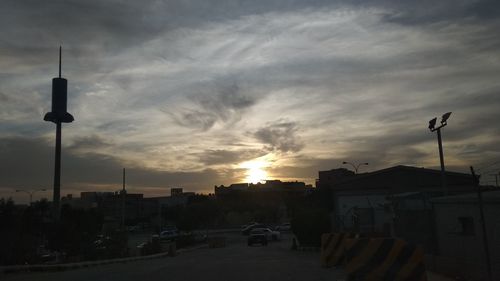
488 196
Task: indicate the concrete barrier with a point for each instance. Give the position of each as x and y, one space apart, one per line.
332 248
379 259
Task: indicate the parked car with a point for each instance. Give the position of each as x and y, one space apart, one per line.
257 236
249 228
133 228
270 234
284 227
169 235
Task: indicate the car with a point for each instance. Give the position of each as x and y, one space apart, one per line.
270 234
257 236
169 235
284 227
133 228
249 228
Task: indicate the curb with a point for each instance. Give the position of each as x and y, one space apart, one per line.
70 266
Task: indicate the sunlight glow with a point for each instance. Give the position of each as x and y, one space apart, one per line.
255 171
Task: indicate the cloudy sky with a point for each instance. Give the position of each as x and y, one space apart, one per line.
197 93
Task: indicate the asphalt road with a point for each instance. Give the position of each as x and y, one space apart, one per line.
236 261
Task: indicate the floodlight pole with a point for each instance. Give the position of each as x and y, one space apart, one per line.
441 159
432 128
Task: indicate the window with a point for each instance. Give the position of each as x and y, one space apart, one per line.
466 226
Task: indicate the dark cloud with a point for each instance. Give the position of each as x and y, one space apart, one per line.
429 12
107 26
195 119
486 9
280 136
224 103
3 97
93 142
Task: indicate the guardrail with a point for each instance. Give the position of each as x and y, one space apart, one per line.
69 266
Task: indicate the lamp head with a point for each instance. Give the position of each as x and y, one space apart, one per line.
445 117
432 124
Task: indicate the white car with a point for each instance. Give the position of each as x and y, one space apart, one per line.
270 234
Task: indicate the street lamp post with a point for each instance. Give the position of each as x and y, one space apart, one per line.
356 167
30 192
433 128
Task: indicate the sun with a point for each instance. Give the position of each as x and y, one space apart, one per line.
255 171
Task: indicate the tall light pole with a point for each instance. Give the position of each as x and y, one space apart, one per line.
30 192
58 115
356 167
433 128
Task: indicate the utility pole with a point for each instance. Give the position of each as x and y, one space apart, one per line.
159 216
58 115
483 222
432 124
123 200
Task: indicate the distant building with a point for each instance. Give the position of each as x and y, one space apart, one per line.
459 235
176 191
329 178
113 205
269 186
362 202
153 206
177 198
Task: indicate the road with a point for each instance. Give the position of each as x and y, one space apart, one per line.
236 261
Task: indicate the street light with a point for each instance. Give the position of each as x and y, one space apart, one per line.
433 128
356 167
30 192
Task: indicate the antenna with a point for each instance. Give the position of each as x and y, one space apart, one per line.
60 48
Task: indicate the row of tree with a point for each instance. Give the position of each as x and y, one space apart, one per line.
28 235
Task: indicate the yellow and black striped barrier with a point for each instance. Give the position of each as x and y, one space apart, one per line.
332 248
379 259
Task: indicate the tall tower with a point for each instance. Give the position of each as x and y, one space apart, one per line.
58 115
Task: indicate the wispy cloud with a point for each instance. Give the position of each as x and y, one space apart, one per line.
280 136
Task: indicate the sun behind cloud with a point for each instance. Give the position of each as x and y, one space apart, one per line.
255 171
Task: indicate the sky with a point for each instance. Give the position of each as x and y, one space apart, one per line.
197 93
